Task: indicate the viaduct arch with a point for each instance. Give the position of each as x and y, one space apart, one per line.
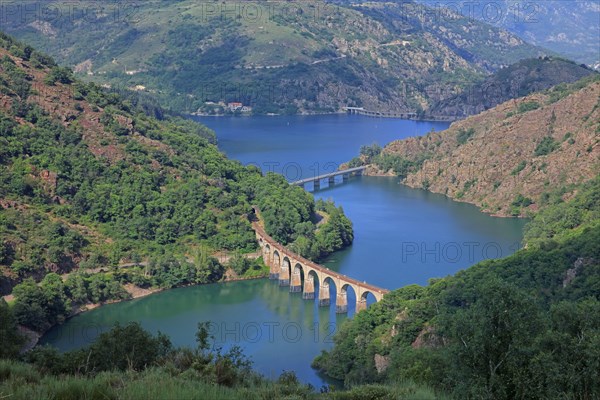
289 268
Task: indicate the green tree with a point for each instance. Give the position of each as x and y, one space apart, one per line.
369 152
30 306
126 347
239 264
491 340
9 335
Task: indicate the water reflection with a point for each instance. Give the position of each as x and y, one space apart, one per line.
278 329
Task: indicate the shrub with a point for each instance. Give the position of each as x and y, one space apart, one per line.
59 74
546 146
520 167
527 106
463 135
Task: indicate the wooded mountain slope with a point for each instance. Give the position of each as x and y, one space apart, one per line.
281 57
507 159
523 327
516 80
88 182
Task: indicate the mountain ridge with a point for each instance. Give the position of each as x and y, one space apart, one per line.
306 58
514 81
505 159
570 28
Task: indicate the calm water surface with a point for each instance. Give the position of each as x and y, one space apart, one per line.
402 236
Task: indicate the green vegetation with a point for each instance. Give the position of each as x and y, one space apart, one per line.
469 184
463 135
562 90
546 146
558 220
386 161
398 164
9 336
526 326
518 203
248 268
370 152
130 363
520 167
284 61
59 74
113 196
334 234
527 106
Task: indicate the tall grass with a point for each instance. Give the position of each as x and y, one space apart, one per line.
20 381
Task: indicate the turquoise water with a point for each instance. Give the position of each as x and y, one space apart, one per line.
402 236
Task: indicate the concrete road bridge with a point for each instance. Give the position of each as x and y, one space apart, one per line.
316 180
302 275
380 114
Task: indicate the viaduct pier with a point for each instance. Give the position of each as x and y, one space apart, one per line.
316 180
302 275
380 114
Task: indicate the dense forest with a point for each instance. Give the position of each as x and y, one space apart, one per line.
523 327
96 194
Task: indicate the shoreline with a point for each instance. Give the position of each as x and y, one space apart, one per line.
481 210
138 293
135 292
440 119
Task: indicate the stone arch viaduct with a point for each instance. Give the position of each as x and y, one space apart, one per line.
289 267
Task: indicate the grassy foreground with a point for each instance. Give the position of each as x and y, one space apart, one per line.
20 380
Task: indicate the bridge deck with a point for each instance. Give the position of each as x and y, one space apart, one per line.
329 175
272 242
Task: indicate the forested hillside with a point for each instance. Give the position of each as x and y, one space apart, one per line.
506 160
277 57
517 80
523 327
96 197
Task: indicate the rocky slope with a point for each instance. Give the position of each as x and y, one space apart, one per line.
516 80
280 57
506 159
570 28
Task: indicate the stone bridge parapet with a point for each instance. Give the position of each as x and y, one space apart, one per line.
302 275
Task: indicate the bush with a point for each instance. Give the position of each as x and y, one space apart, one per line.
463 135
9 336
59 74
520 167
369 152
546 146
239 264
527 106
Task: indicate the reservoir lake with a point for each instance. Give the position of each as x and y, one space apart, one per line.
402 236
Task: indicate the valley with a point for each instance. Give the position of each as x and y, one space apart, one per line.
275 57
160 161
